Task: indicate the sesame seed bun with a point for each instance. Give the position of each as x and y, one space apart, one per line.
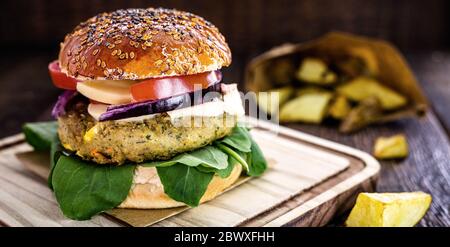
143 43
147 191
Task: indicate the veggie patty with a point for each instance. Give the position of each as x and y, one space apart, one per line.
155 138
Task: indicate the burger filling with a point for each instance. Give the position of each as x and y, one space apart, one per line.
148 137
184 129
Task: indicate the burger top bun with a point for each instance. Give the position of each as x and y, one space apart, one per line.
136 44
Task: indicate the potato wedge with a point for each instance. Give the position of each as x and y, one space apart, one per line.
389 209
315 71
340 108
393 147
308 90
366 113
362 88
272 100
309 107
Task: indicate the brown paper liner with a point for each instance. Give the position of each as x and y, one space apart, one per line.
382 59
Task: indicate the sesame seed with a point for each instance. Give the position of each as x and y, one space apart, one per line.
139 28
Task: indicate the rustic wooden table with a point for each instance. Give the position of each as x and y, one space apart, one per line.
26 95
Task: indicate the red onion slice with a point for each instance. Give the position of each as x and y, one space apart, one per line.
60 107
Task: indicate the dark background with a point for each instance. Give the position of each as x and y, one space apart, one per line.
30 32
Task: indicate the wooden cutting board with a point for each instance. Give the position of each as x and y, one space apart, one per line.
310 181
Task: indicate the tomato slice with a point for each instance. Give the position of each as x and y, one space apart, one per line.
60 79
160 88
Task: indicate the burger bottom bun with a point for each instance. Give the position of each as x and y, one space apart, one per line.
147 191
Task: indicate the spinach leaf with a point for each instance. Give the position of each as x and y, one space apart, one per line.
223 173
237 155
209 156
84 190
255 159
41 135
184 183
56 151
238 139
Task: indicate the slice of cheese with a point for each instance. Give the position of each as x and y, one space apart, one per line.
97 109
231 104
107 91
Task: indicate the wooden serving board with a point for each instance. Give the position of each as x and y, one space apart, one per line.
310 181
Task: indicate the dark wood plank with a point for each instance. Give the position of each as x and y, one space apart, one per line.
433 70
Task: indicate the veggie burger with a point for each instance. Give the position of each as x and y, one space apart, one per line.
144 121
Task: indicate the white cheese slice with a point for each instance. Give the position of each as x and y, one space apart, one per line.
95 110
107 91
231 104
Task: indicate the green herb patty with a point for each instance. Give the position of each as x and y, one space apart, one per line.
156 138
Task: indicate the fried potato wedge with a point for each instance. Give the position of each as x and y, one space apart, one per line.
308 90
340 108
362 88
309 107
366 113
389 209
272 100
393 147
315 71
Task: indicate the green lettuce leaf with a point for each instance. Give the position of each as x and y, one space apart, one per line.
84 190
184 183
235 154
223 173
208 156
238 139
56 150
255 159
41 135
